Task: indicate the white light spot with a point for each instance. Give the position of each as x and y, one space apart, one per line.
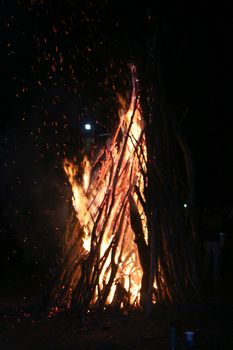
87 126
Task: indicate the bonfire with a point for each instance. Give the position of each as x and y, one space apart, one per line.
111 256
102 263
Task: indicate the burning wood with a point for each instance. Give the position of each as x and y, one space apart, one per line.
129 231
104 254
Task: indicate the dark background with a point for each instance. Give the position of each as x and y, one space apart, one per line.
58 71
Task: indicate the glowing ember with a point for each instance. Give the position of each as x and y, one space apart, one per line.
101 193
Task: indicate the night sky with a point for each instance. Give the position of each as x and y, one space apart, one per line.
58 69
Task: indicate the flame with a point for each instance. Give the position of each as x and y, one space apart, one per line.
100 191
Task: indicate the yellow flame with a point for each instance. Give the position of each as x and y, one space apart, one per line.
90 193
86 173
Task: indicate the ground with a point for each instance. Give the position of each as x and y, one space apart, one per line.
21 327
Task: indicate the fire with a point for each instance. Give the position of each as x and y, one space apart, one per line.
79 199
101 192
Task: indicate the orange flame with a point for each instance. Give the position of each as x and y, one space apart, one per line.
123 162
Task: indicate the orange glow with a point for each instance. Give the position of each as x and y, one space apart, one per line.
100 199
